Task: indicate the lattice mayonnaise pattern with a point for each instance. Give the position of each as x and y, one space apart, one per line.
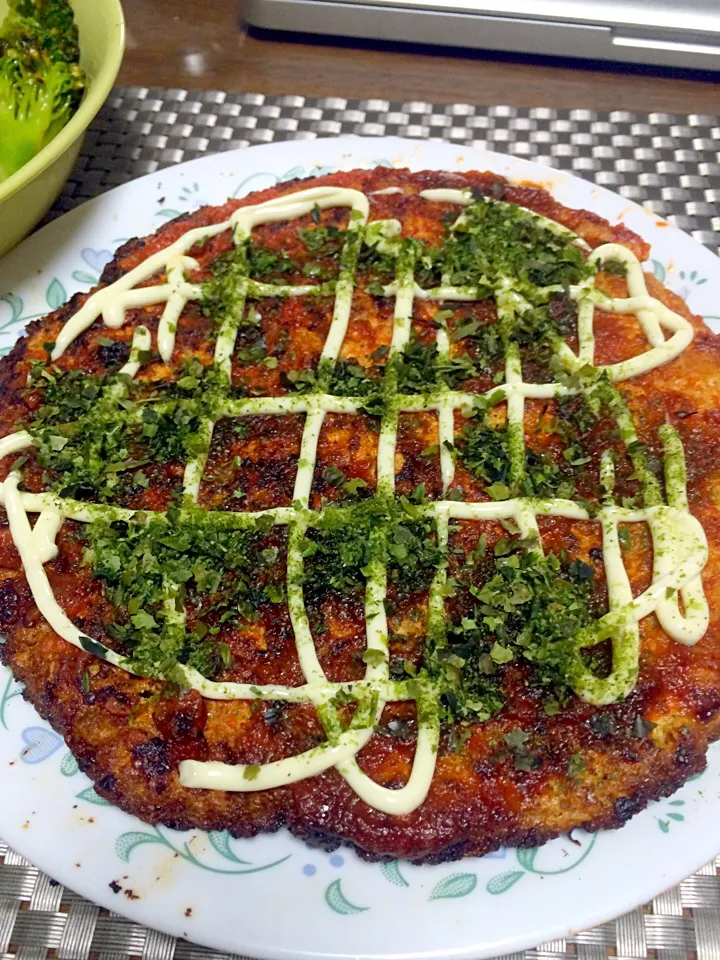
680 547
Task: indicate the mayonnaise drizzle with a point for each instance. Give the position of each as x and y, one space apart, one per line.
679 543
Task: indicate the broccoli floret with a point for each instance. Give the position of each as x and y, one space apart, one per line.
41 83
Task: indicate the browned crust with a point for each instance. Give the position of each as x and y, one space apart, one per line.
129 743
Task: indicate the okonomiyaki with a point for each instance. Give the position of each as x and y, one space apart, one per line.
383 506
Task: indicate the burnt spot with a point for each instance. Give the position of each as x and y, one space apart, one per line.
108 783
707 705
317 839
114 354
152 757
9 603
79 491
274 713
625 807
686 756
603 725
112 699
72 306
113 270
456 852
181 721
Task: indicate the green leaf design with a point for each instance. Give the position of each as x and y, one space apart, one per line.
337 901
55 294
291 174
502 882
242 189
456 885
82 277
69 766
526 858
168 213
16 308
391 872
220 839
90 796
664 825
659 270
676 816
126 843
12 689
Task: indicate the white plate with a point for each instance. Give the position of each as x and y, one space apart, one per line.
273 896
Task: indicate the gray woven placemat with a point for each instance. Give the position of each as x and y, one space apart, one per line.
668 162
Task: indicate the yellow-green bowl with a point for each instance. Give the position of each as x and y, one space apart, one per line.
28 194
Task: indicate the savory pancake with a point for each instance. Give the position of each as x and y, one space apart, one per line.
383 506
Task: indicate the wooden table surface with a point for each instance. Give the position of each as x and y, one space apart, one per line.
201 44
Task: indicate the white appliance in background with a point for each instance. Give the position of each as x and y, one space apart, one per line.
678 33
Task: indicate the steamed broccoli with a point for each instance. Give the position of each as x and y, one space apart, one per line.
41 83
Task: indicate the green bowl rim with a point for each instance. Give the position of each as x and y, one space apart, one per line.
78 123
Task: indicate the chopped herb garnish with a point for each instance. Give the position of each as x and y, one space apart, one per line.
576 766
325 241
222 573
524 758
520 606
92 432
342 544
615 268
374 658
